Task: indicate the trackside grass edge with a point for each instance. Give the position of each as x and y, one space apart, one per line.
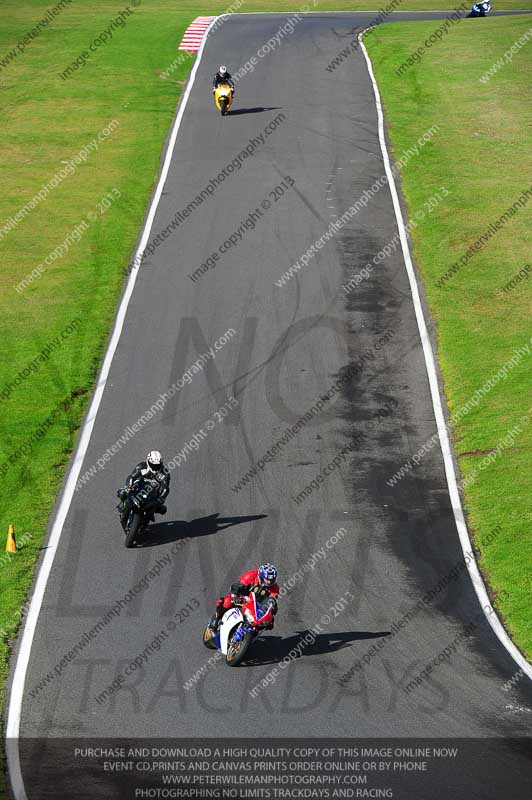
474 258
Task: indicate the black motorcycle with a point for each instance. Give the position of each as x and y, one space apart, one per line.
140 505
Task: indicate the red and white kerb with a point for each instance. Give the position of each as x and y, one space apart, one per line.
193 36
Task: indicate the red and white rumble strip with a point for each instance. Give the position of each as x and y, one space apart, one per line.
194 34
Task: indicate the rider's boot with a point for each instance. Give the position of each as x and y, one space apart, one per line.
214 622
121 494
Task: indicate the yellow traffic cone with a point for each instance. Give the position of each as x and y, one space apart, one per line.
11 544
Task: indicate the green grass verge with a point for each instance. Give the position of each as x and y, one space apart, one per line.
46 122
320 6
481 153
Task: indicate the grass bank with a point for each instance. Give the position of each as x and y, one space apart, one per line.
475 260
93 141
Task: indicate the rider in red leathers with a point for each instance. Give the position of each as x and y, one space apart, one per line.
265 577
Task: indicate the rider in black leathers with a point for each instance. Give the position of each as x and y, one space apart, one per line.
152 470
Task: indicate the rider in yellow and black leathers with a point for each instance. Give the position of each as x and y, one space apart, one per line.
223 76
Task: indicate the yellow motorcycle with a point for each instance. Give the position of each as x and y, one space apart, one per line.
223 96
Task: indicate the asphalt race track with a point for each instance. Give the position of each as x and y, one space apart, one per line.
290 346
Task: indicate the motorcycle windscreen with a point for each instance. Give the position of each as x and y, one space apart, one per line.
261 597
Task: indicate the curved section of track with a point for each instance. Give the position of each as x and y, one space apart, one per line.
379 568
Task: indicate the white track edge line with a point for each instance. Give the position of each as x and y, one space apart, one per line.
19 676
371 11
452 484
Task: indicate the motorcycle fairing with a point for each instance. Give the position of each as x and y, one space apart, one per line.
230 620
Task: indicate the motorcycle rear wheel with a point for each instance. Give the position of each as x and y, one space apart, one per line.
236 652
133 530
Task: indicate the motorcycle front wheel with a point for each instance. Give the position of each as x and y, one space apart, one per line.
133 530
223 107
236 652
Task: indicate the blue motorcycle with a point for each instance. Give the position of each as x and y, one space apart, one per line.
480 9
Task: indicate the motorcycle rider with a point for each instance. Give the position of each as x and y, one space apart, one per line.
481 9
152 470
264 578
223 76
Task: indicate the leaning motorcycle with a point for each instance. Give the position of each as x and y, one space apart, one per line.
240 626
142 501
223 97
480 9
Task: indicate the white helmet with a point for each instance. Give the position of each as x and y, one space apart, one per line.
154 460
223 70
